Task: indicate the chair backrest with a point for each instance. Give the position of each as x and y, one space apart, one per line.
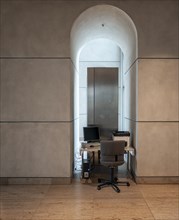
112 152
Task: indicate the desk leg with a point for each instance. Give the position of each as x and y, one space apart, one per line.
93 158
98 156
128 161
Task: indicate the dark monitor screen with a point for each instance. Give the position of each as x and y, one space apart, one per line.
91 134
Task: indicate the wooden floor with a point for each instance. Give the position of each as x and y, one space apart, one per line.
84 202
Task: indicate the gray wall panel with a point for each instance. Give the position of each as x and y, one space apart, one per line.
36 150
158 149
158 96
36 90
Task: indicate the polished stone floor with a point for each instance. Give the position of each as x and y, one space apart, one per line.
84 202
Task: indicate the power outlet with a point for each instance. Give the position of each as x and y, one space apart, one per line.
86 174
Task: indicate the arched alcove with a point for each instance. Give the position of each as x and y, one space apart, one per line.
98 54
107 22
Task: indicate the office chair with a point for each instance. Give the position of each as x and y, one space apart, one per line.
112 155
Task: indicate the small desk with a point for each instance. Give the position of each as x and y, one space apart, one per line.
129 150
97 148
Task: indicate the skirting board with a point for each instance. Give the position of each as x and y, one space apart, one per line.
35 180
156 179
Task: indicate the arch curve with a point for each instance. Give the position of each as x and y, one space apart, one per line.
105 21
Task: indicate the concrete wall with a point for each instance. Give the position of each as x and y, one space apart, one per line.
36 91
158 146
37 87
36 117
153 121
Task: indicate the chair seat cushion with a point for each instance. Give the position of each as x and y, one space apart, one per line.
112 158
111 164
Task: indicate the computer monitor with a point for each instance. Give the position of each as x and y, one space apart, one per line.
91 134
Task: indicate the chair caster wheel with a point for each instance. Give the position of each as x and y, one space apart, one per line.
128 184
98 187
118 190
